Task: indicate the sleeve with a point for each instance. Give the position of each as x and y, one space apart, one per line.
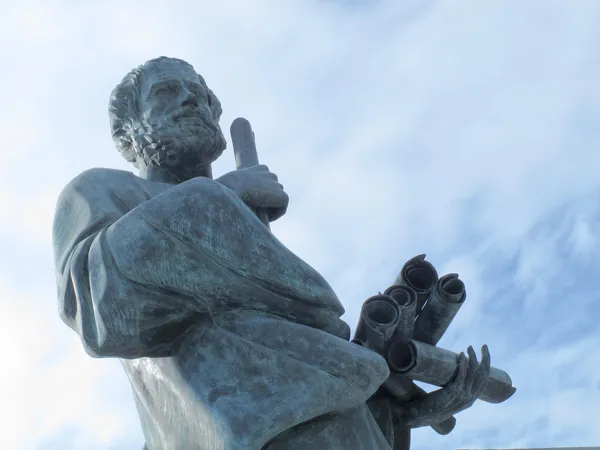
134 273
113 315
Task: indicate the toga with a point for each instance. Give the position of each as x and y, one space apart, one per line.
229 340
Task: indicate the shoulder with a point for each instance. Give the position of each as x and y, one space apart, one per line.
95 192
90 202
98 178
99 185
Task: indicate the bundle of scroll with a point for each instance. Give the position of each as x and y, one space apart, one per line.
405 323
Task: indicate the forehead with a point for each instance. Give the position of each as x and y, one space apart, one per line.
167 71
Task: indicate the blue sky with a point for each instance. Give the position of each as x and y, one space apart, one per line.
464 130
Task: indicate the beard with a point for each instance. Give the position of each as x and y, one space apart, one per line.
184 143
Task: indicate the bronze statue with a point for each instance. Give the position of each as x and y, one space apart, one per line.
229 340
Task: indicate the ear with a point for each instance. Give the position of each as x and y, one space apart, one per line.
215 105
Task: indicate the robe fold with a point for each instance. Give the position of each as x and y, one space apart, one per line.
229 340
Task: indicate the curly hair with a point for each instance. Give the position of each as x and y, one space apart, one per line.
124 107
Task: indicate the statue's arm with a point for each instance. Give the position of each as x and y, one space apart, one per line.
435 407
114 315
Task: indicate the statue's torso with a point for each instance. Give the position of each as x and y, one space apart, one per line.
229 339
249 380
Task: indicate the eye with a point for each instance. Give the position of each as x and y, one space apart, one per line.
166 91
163 92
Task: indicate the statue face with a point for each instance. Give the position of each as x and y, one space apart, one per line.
172 91
178 130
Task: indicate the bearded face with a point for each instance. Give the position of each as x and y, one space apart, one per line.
187 139
177 129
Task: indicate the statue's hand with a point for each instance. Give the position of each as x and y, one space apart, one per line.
455 397
258 188
469 381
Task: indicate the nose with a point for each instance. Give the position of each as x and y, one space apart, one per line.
189 99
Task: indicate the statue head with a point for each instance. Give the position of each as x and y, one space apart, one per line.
164 116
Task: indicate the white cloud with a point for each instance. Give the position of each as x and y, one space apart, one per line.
48 382
465 131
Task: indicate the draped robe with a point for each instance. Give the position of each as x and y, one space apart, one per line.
229 340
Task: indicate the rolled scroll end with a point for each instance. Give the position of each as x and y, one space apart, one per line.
446 299
378 320
405 296
401 356
420 275
452 288
380 310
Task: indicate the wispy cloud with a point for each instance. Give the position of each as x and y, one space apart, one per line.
465 131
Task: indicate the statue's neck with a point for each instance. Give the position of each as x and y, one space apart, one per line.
164 175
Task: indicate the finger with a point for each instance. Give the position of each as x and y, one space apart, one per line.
271 200
483 372
264 171
461 373
276 213
259 168
486 360
278 205
278 199
472 367
269 195
479 384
